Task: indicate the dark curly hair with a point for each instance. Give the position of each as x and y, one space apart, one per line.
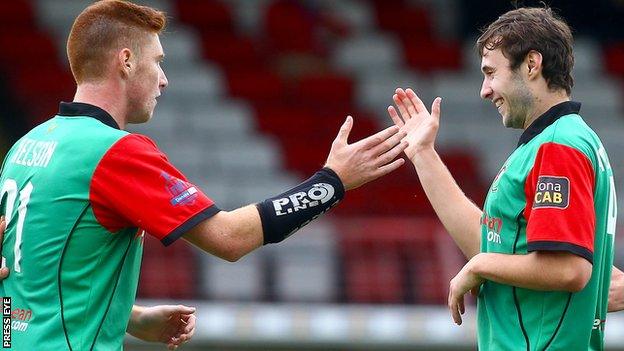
522 30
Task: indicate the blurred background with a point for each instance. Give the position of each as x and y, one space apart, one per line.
257 91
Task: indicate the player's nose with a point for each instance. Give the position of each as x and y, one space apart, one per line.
486 89
163 81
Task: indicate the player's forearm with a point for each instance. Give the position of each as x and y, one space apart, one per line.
616 291
545 271
458 214
229 235
134 317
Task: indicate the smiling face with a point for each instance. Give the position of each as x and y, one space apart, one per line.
146 81
506 88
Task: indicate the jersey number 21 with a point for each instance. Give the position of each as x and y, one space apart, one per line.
10 189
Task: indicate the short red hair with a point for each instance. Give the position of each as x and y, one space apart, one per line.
105 26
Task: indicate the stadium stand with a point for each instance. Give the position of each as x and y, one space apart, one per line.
257 91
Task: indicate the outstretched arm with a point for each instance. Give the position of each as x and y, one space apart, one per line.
232 234
458 214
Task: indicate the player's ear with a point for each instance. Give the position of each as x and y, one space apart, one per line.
125 62
533 62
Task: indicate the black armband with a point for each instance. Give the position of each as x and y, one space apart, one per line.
289 211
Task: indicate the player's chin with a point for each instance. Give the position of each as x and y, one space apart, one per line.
148 113
141 118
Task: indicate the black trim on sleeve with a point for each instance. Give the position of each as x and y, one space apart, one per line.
190 223
561 246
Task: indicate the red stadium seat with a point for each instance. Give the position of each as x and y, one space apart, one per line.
428 55
16 14
614 59
325 89
230 51
462 164
256 85
168 272
206 16
45 84
404 20
42 81
27 47
394 261
37 85
283 120
289 27
374 278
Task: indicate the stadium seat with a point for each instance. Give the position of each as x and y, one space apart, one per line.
358 16
256 85
194 82
27 48
430 55
305 266
614 59
16 14
232 52
326 89
180 46
289 27
368 52
168 272
404 20
398 261
206 16
243 280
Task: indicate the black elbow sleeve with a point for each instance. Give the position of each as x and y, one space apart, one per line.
289 211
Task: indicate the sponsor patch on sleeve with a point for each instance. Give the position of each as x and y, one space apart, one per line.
552 192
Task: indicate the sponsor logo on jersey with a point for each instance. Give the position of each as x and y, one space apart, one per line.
494 226
552 192
182 192
320 193
497 178
21 318
16 319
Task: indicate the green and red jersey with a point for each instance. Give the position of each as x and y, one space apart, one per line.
79 194
555 192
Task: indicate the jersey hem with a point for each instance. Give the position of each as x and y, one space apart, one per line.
561 246
190 223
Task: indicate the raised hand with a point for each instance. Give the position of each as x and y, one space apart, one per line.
368 159
413 118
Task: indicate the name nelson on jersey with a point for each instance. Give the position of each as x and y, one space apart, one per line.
34 153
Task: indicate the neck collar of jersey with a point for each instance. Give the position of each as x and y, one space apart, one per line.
549 117
83 109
